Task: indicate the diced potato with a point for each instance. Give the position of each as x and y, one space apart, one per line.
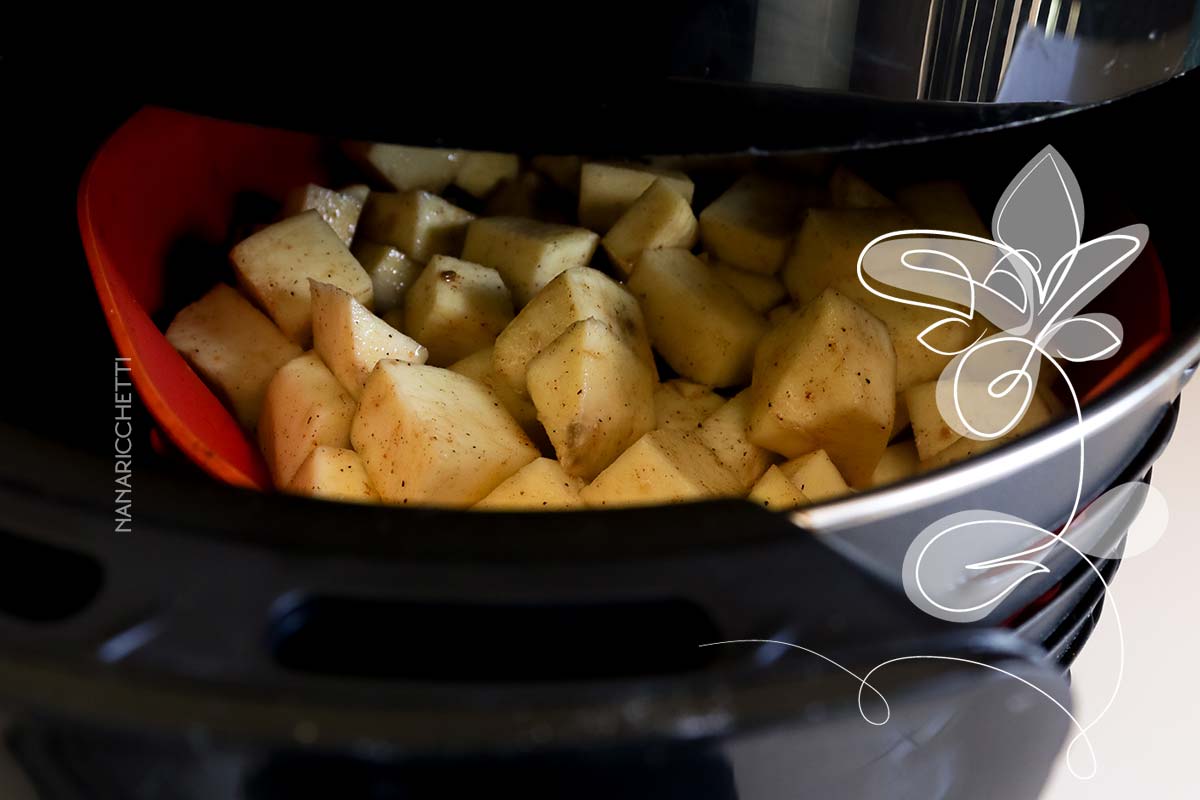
304 407
456 308
828 244
358 191
662 467
275 265
826 255
406 168
660 217
930 432
1037 415
391 271
594 396
528 254
704 331
724 431
899 462
776 491
234 348
825 378
478 366
943 206
751 225
761 292
848 190
540 485
682 405
334 473
340 211
606 191
351 340
901 419
481 172
563 170
815 475
419 223
431 436
576 294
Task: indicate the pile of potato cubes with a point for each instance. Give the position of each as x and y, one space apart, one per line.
617 349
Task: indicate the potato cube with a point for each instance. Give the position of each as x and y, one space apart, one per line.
576 294
828 244
478 366
899 462
528 254
275 265
334 473
455 308
407 168
848 190
750 226
351 340
776 491
761 292
943 206
304 407
419 223
391 272
704 331
662 467
563 170
930 432
234 348
825 379
593 394
826 255
357 191
431 436
481 172
660 217
540 485
606 191
682 405
1037 415
340 211
724 431
815 475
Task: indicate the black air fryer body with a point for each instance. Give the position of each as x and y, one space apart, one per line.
255 646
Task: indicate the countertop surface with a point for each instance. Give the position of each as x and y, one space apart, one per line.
1146 743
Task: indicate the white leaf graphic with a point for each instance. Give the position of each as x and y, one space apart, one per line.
962 566
1080 276
1088 337
1041 212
